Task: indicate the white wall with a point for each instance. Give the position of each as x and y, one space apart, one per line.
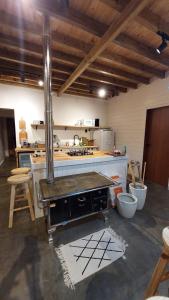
127 114
29 105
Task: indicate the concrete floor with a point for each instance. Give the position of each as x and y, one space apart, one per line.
30 269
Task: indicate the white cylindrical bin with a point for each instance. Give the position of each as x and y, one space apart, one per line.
140 193
126 204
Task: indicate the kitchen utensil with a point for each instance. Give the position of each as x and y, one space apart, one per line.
132 173
138 169
144 171
90 142
84 141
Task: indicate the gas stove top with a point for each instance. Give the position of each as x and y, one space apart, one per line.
79 152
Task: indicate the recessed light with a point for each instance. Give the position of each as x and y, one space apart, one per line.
40 82
102 93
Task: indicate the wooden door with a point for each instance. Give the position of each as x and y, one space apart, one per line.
156 147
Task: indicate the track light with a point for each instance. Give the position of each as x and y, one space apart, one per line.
163 45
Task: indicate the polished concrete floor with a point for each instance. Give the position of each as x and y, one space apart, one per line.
30 269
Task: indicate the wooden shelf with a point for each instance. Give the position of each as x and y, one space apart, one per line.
70 127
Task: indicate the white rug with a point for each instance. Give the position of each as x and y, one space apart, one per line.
90 254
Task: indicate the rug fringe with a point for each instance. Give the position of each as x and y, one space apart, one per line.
67 280
120 238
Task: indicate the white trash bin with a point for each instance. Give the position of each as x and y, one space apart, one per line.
140 193
126 204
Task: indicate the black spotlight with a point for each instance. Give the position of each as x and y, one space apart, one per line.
163 45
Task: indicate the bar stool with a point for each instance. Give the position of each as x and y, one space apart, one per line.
23 180
159 273
19 171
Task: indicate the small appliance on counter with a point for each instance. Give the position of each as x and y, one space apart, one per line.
97 123
89 122
38 122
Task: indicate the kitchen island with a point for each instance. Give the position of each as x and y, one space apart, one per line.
64 165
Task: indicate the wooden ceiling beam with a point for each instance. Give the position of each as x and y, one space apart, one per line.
140 48
10 20
16 81
129 43
118 72
34 73
88 88
75 93
111 70
135 65
146 18
27 84
132 10
105 79
15 43
38 64
74 43
71 60
92 83
97 28
21 58
80 92
75 18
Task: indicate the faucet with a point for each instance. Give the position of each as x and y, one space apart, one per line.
74 138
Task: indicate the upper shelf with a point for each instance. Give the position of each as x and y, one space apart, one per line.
61 127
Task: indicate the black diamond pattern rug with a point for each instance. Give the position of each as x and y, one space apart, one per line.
86 256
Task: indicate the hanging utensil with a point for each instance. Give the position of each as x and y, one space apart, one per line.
132 173
138 169
144 171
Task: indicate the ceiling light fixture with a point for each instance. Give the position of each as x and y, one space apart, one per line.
102 93
40 82
165 39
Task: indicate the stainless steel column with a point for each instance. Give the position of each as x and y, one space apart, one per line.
48 100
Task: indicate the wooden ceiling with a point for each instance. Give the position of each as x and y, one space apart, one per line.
98 43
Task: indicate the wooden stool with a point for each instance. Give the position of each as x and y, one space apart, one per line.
18 171
15 181
159 273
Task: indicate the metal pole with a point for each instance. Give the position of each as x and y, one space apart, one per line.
48 101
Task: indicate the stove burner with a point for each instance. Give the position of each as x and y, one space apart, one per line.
79 152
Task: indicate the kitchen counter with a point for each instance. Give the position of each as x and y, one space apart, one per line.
63 159
65 165
27 150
